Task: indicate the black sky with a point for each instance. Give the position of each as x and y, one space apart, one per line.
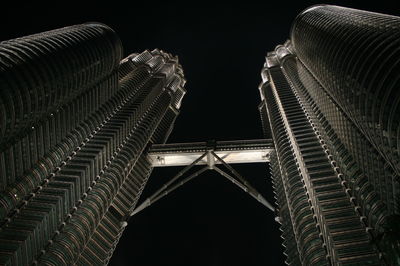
222 49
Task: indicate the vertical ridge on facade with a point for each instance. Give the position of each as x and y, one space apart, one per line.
360 51
74 140
334 86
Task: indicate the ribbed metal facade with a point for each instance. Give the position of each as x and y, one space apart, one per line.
332 99
76 123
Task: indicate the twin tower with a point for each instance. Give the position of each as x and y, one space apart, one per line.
78 122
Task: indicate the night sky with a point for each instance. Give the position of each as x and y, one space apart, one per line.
209 221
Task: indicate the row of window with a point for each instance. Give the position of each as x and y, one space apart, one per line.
306 145
99 248
332 200
308 242
44 71
319 178
289 240
90 164
371 183
337 208
84 130
88 215
355 55
22 151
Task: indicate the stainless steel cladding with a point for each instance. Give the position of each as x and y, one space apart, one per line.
333 107
76 121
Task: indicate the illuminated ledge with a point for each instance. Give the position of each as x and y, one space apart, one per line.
240 151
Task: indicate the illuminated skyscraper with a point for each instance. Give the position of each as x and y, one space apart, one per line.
75 125
332 97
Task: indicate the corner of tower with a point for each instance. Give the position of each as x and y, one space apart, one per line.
100 24
309 9
275 58
271 60
302 13
111 36
284 50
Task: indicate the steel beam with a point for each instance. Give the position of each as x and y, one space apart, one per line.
240 151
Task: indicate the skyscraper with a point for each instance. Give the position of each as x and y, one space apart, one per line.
331 96
76 123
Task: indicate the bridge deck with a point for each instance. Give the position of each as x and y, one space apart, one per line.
239 151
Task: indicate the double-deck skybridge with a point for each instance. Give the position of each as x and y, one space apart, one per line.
212 155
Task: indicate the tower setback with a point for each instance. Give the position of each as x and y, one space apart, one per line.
76 123
331 96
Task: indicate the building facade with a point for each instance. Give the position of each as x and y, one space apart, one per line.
331 97
75 126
